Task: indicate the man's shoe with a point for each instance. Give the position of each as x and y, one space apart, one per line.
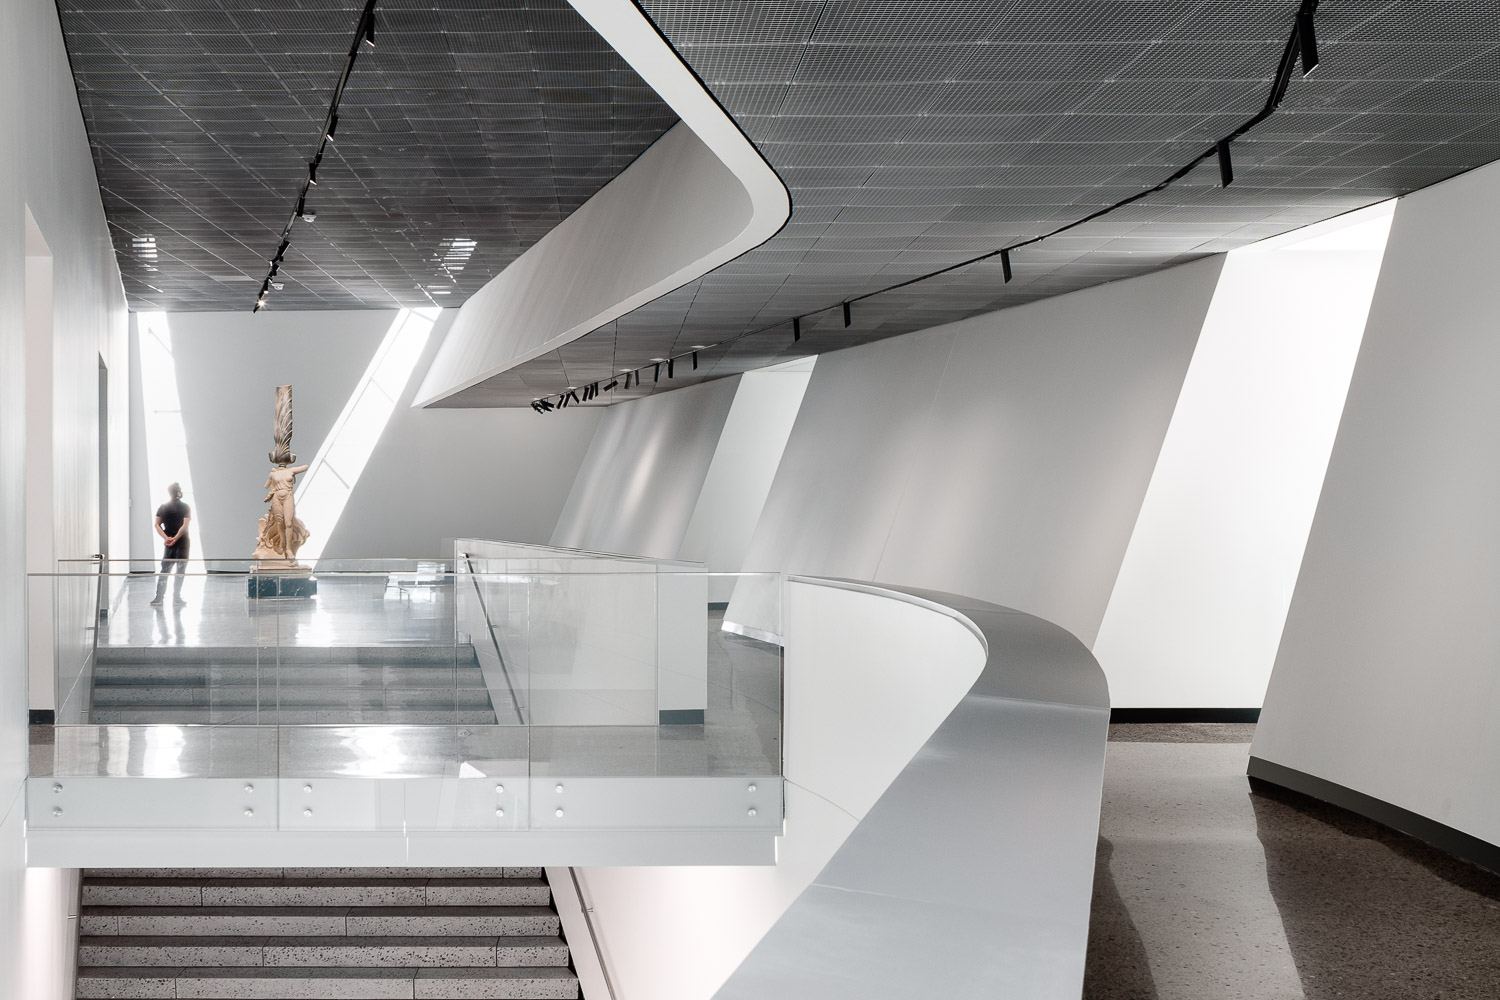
156 602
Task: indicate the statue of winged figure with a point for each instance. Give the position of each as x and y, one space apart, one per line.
282 533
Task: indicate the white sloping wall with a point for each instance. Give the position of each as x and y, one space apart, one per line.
1003 457
640 481
1197 611
435 474
1386 679
46 168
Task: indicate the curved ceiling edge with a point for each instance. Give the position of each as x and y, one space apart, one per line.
701 196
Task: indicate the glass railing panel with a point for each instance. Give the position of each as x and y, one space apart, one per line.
153 751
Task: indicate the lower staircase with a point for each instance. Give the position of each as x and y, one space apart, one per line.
304 933
407 685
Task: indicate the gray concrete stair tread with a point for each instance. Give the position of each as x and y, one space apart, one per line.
218 873
461 910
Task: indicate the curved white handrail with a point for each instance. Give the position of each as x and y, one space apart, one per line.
971 876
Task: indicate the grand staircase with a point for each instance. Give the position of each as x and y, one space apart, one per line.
290 685
429 933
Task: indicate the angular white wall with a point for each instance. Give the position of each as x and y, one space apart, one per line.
1003 457
434 475
1386 679
640 481
1197 610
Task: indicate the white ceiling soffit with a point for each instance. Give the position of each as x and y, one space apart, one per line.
700 196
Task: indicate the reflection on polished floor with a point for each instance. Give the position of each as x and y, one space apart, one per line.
741 734
1207 888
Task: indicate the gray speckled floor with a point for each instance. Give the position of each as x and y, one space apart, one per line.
1206 888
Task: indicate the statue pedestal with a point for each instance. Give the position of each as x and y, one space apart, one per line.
288 580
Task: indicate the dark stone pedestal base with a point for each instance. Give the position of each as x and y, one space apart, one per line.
281 585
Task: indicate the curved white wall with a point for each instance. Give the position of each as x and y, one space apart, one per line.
1386 679
855 717
1004 457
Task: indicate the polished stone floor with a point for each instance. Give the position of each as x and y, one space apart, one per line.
1207 888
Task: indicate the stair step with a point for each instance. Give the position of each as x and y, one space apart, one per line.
314 984
319 921
219 873
198 714
347 952
400 654
350 674
314 892
288 696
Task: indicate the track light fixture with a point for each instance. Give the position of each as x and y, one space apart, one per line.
1307 39
671 368
312 173
1301 44
333 125
369 38
608 386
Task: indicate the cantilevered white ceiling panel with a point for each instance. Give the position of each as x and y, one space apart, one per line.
701 196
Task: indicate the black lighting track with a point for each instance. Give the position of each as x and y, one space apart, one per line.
364 34
1301 44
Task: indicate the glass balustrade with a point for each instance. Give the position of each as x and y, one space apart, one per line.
510 688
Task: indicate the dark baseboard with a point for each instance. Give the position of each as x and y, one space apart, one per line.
718 605
680 717
42 717
1430 831
1160 715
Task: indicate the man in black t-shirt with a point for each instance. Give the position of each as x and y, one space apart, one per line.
172 520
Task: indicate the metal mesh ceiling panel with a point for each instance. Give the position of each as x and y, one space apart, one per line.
914 134
468 132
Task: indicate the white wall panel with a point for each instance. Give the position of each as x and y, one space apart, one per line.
743 467
46 166
1386 681
1197 611
435 474
640 481
1003 457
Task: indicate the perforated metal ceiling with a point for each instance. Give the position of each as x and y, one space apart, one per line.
915 134
465 135
912 134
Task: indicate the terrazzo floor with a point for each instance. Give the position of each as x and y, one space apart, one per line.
1208 888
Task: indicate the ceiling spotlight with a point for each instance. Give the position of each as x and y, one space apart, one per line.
278 285
312 173
333 125
627 380
1307 41
796 328
612 383
1226 167
847 318
656 374
671 368
370 30
695 361
310 216
1005 265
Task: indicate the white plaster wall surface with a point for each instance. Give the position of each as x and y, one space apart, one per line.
855 717
228 368
45 165
1385 681
1197 611
434 475
740 475
640 481
1003 457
